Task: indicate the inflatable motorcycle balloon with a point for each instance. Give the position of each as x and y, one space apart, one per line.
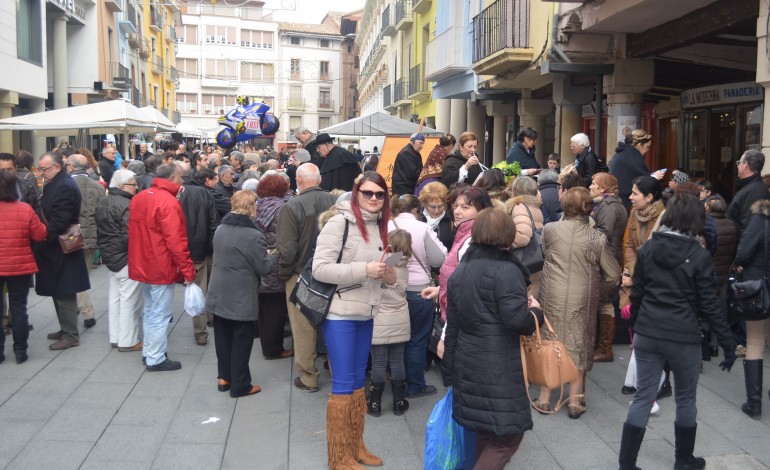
245 122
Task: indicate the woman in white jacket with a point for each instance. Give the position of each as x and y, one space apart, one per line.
427 252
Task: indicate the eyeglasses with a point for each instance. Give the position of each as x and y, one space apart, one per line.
436 208
130 184
738 163
380 195
43 170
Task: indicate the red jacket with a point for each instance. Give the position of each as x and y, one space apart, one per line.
18 226
157 236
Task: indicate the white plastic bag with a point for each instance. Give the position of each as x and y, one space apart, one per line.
194 300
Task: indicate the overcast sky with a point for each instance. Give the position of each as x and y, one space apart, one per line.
309 11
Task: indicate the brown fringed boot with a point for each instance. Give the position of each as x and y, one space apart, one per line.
603 351
357 413
339 433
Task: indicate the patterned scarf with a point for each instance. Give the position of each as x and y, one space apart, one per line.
652 211
267 210
434 165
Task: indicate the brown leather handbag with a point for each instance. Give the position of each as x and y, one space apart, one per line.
71 240
546 362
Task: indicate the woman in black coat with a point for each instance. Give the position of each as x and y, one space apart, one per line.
62 275
462 166
482 359
673 284
753 260
240 262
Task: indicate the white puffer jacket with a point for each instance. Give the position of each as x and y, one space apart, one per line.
391 323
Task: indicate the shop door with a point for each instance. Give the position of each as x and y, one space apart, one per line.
723 153
589 129
666 153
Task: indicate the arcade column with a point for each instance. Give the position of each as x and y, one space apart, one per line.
624 89
532 113
8 101
569 101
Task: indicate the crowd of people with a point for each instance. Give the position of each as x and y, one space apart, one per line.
449 241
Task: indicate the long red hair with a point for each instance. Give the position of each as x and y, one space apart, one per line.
377 179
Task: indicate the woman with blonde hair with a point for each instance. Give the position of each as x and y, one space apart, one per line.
433 197
240 262
578 265
628 163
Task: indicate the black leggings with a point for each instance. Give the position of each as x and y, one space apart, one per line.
384 354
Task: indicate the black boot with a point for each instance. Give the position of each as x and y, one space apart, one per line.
684 445
630 443
400 405
752 371
374 403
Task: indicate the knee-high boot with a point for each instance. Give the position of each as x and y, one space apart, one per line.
603 351
684 442
752 371
357 413
339 433
630 443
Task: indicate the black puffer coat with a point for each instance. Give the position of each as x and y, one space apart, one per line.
112 228
751 250
626 165
727 243
202 220
482 359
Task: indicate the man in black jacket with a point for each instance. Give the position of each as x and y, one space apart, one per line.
225 185
107 163
308 140
750 189
202 219
150 165
206 178
340 167
408 166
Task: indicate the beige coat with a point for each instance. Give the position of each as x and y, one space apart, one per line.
578 263
357 296
515 207
391 323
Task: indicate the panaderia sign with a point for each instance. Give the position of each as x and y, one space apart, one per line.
722 94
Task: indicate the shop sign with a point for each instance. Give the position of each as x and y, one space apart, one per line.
71 7
722 94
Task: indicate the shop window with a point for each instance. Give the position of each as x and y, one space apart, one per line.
29 34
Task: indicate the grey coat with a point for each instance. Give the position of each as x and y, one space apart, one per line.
91 193
240 260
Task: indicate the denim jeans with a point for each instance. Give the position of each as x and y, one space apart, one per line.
421 320
18 290
158 302
348 343
685 360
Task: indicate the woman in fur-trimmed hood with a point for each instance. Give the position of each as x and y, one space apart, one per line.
524 207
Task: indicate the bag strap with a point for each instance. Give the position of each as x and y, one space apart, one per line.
531 219
561 401
765 243
344 240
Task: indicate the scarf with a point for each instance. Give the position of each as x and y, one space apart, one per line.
434 165
267 210
598 201
431 221
462 233
650 212
698 238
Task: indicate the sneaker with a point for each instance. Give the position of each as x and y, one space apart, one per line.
164 366
665 391
428 390
626 390
740 351
298 383
89 322
655 409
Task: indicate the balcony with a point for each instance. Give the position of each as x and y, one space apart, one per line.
501 38
387 27
138 99
170 34
403 15
157 64
386 97
421 6
156 21
401 93
448 54
172 75
296 104
325 105
418 87
135 40
131 14
120 77
113 6
144 49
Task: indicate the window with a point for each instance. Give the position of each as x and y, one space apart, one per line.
187 68
294 122
256 39
350 49
29 33
220 34
295 41
324 70
295 96
223 69
325 99
324 43
187 102
295 69
216 104
187 34
256 72
324 122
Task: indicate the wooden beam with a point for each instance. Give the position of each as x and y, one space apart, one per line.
691 28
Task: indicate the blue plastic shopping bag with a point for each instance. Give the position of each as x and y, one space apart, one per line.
443 438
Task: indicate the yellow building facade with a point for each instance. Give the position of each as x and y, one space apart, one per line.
162 78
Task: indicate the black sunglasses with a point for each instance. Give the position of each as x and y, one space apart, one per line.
380 195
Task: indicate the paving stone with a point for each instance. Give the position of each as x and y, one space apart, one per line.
77 425
177 456
58 454
127 443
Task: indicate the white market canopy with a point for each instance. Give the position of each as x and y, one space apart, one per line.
107 117
163 123
186 129
379 123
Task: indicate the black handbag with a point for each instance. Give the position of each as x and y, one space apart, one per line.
531 256
749 300
311 296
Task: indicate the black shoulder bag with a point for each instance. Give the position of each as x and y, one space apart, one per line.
531 255
750 300
311 296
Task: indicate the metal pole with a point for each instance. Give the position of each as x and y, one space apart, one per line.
598 133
